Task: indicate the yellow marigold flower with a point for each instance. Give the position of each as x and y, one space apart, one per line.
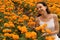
6 17
37 28
11 24
8 3
53 8
28 34
31 23
9 9
44 25
25 17
31 0
14 17
15 37
5 0
30 10
1 2
24 29
32 18
16 0
19 27
20 1
19 13
6 34
33 35
32 4
6 30
43 30
49 37
9 35
2 9
57 10
7 13
48 31
6 25
20 20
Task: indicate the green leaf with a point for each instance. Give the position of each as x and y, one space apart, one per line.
22 38
1 15
41 38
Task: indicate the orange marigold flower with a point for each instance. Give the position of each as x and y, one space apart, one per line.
6 30
31 23
25 17
50 38
15 37
24 29
44 25
43 30
37 28
6 34
6 25
48 31
32 18
19 27
33 35
14 17
11 24
6 17
20 20
28 34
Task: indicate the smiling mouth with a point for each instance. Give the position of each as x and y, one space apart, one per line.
40 11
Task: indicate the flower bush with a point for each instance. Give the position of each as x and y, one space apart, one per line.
17 19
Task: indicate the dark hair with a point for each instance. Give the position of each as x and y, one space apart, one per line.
44 4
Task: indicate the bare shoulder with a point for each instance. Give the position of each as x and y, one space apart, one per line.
54 15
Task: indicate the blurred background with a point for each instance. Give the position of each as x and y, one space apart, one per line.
16 13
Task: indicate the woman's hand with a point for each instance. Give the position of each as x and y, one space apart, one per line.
44 34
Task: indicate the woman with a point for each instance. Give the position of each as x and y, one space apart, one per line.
46 17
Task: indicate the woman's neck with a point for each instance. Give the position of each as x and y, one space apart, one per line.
45 15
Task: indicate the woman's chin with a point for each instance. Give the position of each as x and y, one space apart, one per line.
40 12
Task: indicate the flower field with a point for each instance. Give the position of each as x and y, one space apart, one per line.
17 19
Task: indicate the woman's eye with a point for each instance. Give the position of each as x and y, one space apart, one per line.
40 7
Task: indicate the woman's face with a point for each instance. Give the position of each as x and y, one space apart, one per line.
41 8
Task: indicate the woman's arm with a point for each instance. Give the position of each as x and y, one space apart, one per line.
56 26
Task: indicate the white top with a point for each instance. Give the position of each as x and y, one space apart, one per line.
50 25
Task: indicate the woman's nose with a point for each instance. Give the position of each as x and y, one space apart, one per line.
39 9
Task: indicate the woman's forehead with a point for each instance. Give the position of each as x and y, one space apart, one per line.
38 5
